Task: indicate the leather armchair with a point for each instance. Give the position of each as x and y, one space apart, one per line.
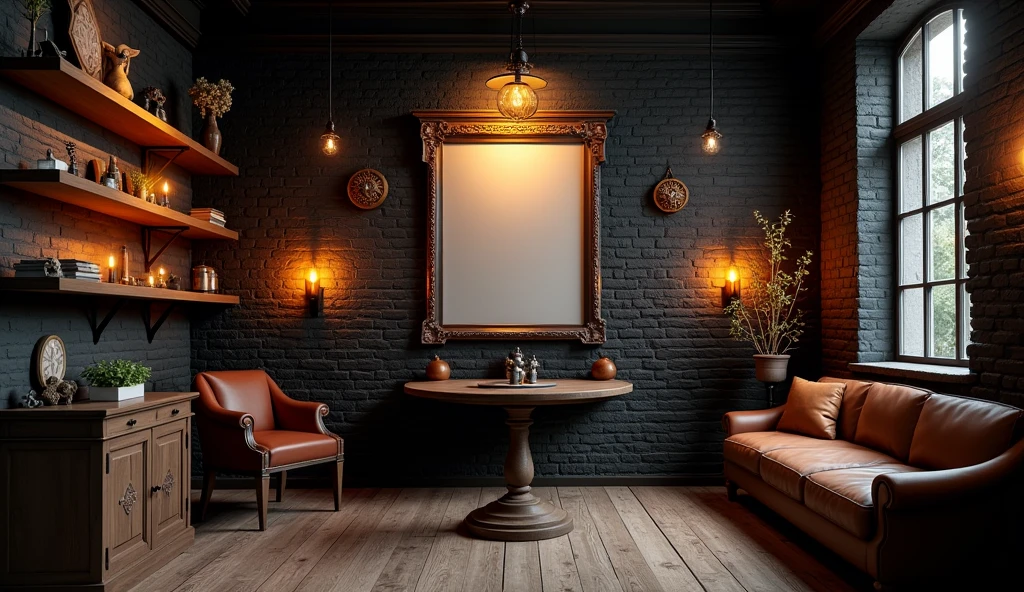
248 425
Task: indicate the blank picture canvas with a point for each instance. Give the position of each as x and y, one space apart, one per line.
511 234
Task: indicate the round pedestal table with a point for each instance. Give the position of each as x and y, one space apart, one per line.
518 515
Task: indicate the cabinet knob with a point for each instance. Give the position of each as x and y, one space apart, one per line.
132 422
175 411
156 488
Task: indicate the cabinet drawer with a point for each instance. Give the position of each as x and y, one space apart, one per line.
130 422
173 411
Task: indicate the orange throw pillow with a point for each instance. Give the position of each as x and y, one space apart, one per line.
812 408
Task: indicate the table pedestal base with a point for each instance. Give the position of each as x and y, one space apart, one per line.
518 515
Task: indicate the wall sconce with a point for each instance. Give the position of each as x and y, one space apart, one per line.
314 294
731 290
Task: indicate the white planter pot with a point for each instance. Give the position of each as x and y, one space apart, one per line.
771 368
120 393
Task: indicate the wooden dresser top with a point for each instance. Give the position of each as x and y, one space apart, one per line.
99 408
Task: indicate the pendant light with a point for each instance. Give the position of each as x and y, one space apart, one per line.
711 143
516 97
329 141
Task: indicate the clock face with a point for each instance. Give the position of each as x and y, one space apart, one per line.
671 195
50 358
367 189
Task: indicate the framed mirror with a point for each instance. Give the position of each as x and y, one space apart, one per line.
513 225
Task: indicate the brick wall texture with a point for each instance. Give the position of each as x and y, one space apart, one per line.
33 226
662 275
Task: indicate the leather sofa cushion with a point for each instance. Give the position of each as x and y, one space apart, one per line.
889 417
244 390
786 469
812 408
955 432
292 447
844 498
746 449
853 402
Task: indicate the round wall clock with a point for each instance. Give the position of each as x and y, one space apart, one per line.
49 358
671 194
367 189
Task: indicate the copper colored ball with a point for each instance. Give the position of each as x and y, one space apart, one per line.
603 369
438 369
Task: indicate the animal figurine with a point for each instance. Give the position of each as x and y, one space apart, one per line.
29 401
118 62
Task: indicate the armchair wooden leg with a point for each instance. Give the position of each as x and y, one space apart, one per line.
209 477
281 483
262 496
730 490
336 481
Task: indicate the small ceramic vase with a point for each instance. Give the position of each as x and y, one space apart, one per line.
438 369
211 134
603 369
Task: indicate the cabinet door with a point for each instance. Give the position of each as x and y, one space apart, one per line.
126 500
169 481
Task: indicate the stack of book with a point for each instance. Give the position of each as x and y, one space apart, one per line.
70 268
210 215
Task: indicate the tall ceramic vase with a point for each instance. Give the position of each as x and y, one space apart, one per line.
771 369
211 134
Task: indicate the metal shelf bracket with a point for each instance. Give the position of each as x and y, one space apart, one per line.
92 315
147 241
147 319
148 151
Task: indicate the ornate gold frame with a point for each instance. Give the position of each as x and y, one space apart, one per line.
589 128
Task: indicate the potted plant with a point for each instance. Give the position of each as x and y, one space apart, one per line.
768 317
213 100
33 11
116 380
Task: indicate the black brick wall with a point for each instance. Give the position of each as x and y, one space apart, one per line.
33 226
661 274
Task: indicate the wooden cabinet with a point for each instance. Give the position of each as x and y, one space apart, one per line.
95 495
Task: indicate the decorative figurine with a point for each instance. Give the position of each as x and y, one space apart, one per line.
51 268
72 157
33 10
59 391
533 366
173 282
50 163
154 100
118 64
29 401
515 367
112 178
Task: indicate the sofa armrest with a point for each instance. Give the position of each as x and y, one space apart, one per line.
758 420
925 489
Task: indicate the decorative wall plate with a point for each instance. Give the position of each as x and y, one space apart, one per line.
49 358
671 194
85 38
367 188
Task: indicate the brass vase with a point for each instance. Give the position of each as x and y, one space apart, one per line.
211 134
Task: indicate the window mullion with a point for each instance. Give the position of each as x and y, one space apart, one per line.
926 251
926 93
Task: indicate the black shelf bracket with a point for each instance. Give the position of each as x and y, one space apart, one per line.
148 151
147 319
147 241
92 315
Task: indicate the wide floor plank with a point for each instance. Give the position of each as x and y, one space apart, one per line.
633 539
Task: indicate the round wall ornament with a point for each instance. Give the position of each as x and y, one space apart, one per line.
367 188
671 194
49 359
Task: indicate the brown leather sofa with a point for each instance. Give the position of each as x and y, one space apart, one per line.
916 487
248 426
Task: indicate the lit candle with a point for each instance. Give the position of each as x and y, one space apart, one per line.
151 281
314 294
732 284
111 274
167 189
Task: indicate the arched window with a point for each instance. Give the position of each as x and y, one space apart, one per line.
932 311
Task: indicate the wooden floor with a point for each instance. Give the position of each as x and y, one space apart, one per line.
633 539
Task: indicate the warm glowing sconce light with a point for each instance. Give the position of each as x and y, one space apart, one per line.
314 294
731 290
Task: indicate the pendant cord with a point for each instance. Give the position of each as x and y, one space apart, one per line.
330 60
711 51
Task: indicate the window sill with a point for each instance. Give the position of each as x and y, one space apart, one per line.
926 372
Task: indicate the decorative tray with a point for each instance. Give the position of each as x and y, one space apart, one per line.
505 384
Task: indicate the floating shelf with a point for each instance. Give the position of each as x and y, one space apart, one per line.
65 187
65 84
90 288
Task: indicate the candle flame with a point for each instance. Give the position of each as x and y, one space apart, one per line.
312 276
732 274
110 260
166 187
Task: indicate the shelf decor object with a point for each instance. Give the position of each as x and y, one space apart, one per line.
517 99
671 194
65 84
213 100
85 38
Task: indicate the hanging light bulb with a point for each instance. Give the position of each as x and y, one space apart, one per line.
517 97
329 141
711 138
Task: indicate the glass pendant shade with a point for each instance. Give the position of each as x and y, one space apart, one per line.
711 139
329 141
517 101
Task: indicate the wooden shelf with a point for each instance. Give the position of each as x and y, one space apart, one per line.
90 288
65 84
65 187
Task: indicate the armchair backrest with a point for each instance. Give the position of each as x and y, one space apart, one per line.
247 391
